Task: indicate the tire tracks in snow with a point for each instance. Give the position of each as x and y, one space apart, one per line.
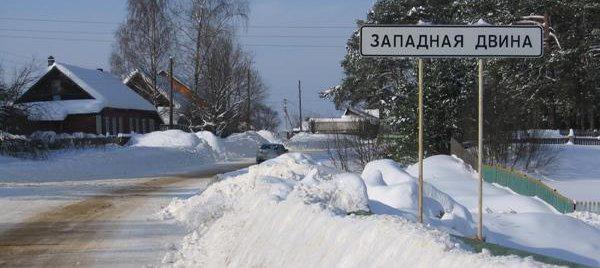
73 234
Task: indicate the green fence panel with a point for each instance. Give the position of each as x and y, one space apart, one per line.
525 185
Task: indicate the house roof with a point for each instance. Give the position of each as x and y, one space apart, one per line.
182 94
105 87
368 113
353 115
107 90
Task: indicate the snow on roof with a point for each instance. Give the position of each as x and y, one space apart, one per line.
368 113
163 85
106 88
59 110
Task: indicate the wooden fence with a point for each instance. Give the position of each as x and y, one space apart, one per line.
593 206
33 148
522 183
565 140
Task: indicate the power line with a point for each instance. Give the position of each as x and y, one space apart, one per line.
59 21
116 23
57 38
292 45
110 41
14 54
54 31
301 27
111 33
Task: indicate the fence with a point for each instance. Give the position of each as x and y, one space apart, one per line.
580 132
587 206
526 185
515 180
565 140
22 147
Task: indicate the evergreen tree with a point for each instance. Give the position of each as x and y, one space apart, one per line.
559 90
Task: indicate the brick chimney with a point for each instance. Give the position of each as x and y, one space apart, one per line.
50 61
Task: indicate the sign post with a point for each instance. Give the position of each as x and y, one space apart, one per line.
480 149
420 140
449 41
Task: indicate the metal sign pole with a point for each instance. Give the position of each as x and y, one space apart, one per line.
480 151
420 140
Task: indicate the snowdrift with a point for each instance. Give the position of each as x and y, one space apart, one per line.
270 136
393 191
243 144
168 138
292 212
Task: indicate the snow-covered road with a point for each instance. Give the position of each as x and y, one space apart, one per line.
95 223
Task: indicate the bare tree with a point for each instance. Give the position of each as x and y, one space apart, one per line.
199 24
144 40
263 117
13 116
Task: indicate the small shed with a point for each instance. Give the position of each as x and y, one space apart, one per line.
353 121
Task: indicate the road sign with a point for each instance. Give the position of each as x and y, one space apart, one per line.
447 41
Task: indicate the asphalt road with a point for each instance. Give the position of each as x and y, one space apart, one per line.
118 228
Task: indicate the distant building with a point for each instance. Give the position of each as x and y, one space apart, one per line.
353 121
183 96
69 99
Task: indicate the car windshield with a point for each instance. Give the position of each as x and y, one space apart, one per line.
267 146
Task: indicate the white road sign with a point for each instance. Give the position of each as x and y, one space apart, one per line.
445 41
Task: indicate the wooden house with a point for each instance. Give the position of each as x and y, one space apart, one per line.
353 121
69 99
183 97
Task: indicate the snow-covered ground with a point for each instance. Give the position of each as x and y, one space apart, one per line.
575 173
293 212
298 211
285 210
306 141
157 153
29 188
514 220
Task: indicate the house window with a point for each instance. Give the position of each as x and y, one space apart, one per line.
131 124
143 125
121 130
56 88
114 126
98 124
107 125
151 123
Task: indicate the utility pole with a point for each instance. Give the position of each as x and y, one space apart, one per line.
171 93
285 112
300 102
248 110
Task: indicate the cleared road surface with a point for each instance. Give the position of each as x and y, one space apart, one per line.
117 228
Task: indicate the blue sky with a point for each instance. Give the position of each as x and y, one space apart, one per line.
281 67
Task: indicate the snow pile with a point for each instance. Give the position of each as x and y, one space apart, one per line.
213 141
309 141
393 191
244 144
292 212
270 136
513 220
169 138
590 218
575 173
152 154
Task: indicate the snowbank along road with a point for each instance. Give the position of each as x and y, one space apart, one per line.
114 228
